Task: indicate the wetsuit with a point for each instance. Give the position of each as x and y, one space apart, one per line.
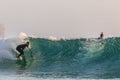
20 49
101 36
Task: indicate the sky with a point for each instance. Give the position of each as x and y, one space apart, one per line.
61 18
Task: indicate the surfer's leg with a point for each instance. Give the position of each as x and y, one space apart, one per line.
21 53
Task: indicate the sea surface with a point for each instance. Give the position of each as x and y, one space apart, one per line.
70 59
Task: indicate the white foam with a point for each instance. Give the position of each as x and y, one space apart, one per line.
23 35
53 38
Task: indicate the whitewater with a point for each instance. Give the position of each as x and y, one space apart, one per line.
70 59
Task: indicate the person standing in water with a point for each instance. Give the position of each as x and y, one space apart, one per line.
101 36
20 49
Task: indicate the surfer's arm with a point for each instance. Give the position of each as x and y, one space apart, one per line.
29 47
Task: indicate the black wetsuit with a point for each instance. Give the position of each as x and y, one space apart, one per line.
20 49
101 36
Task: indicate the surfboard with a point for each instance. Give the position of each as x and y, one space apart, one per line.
19 58
21 63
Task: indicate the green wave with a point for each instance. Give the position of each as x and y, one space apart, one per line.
92 57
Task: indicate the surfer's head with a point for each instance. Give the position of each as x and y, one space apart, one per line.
27 43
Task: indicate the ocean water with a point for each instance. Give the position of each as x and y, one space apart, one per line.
73 59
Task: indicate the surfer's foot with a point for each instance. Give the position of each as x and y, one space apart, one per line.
17 57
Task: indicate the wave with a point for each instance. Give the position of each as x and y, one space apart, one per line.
74 57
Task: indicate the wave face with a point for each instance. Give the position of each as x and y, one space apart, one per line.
85 58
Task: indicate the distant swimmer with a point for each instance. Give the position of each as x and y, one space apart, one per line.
101 36
20 49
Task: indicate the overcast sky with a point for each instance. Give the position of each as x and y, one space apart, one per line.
69 18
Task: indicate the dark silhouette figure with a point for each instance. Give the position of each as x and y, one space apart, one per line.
20 49
101 36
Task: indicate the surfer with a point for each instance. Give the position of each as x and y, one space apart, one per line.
20 49
101 36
